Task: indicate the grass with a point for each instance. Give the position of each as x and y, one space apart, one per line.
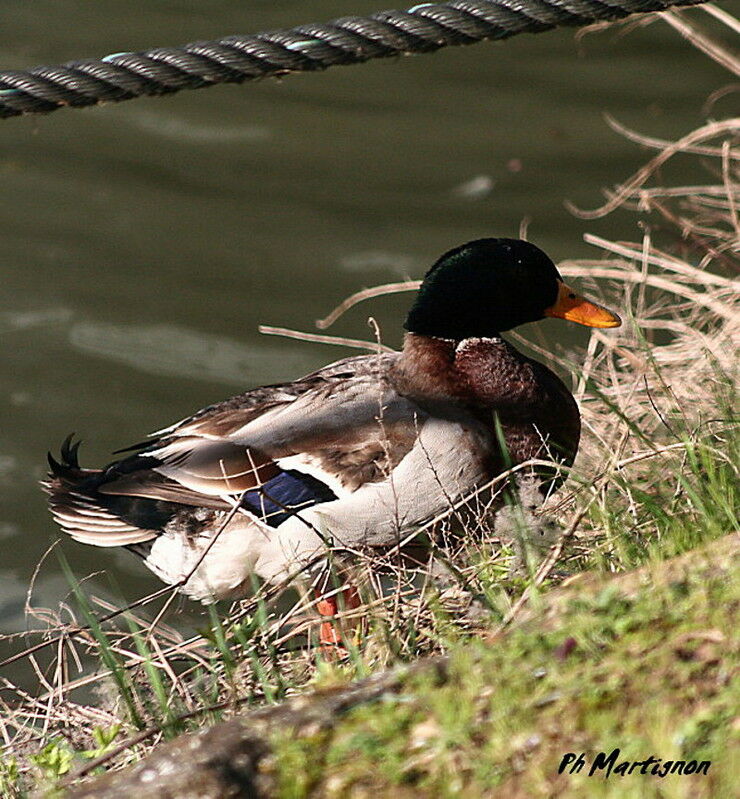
645 671
551 649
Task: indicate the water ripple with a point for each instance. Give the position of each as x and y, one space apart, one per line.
176 351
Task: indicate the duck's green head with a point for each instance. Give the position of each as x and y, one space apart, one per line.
488 286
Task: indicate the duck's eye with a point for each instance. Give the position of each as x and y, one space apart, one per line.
571 296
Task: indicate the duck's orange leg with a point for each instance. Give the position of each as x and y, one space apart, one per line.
330 634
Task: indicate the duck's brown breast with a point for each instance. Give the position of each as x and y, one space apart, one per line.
538 415
535 410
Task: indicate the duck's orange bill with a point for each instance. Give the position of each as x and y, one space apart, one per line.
574 308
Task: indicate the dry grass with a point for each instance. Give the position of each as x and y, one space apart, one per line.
656 399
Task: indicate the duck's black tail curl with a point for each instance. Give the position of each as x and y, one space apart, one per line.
81 511
69 465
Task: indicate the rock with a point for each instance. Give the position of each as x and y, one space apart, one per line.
223 761
219 762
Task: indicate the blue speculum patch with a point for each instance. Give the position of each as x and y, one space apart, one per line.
278 499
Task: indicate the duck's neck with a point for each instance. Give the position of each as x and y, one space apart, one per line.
475 370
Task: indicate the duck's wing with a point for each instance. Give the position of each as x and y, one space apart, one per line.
342 438
276 448
449 458
326 422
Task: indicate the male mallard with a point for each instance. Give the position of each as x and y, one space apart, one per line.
361 452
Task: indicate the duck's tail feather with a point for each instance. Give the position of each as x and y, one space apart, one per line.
81 511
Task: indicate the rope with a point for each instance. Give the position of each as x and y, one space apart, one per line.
348 40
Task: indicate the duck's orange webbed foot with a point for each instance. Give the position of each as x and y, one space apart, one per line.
330 633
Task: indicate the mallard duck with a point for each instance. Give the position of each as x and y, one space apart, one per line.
358 454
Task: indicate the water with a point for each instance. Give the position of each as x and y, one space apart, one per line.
143 243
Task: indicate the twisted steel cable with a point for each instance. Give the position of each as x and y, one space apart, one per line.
347 40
